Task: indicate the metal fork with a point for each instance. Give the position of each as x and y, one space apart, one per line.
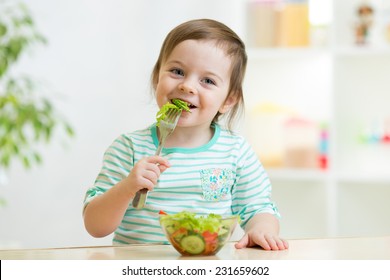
166 127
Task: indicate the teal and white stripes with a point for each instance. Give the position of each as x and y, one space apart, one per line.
224 177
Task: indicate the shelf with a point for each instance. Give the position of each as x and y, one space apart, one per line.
364 51
297 174
364 179
281 53
317 175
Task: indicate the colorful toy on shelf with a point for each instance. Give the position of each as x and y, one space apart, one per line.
377 132
386 131
386 139
323 147
365 15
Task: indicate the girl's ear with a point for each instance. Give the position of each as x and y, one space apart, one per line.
228 104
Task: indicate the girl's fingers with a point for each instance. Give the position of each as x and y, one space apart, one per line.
266 243
285 243
158 160
243 242
280 244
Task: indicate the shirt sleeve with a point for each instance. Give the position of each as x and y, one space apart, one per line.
252 190
117 163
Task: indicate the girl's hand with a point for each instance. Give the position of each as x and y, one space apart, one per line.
262 230
262 239
145 173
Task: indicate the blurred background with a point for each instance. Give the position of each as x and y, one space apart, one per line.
317 96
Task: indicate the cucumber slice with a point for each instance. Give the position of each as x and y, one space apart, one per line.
223 231
193 244
170 229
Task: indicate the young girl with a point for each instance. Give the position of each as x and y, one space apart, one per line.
203 167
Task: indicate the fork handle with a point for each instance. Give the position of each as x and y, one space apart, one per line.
140 199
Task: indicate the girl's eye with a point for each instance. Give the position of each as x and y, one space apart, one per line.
208 81
178 72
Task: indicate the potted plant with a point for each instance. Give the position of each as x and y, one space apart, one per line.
27 118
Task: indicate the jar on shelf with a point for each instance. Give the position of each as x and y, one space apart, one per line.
262 23
301 142
293 28
278 23
264 130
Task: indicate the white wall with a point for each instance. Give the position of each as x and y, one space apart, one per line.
97 66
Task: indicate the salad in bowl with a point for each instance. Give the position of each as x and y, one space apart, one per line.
192 234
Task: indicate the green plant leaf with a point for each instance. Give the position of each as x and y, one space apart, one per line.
3 65
3 30
26 162
69 130
37 157
3 202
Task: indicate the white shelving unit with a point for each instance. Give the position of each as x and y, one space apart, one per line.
348 87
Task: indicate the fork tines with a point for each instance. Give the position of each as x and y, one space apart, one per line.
172 116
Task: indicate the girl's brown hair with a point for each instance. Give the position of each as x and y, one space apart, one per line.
207 29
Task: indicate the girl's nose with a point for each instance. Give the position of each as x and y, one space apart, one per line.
187 87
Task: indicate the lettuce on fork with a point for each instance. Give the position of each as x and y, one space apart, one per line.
176 104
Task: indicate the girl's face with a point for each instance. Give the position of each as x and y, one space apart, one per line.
197 72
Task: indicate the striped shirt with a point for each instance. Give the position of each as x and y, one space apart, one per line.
223 177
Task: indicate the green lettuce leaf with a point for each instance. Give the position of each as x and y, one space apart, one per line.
176 105
191 221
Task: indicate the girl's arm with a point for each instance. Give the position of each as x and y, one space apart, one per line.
104 213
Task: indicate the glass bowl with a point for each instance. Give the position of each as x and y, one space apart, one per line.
195 235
